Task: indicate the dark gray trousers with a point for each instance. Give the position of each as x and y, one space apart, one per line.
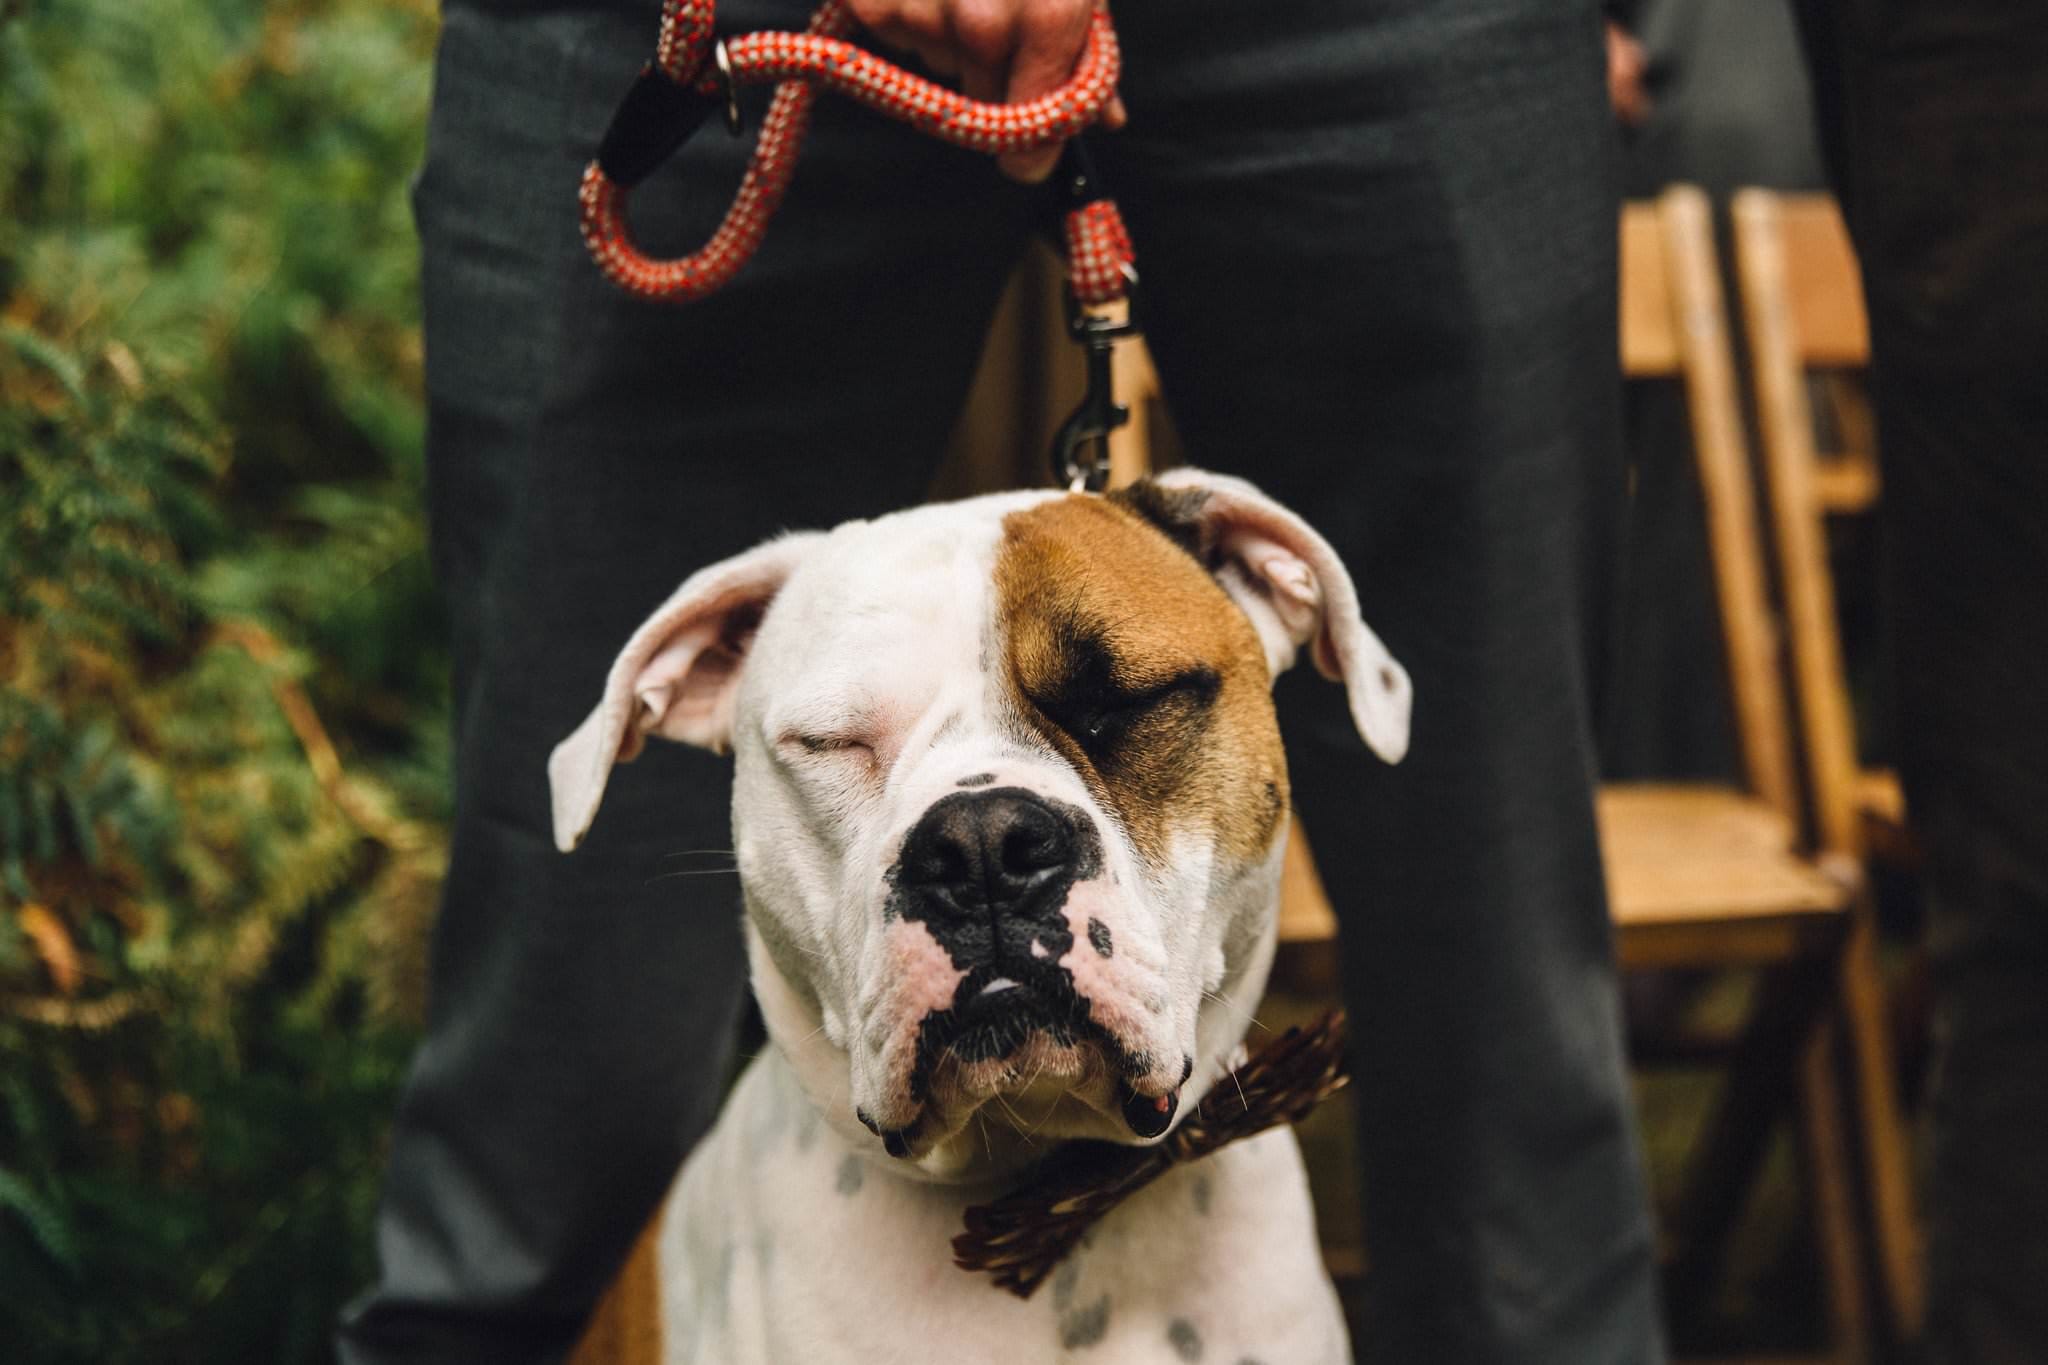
1378 245
1935 113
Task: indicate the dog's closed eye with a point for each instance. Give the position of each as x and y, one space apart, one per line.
1100 712
827 744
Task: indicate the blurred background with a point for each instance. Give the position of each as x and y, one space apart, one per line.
223 694
222 691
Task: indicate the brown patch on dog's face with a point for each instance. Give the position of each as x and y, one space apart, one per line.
1124 654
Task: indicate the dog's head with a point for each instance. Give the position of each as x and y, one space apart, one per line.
1009 801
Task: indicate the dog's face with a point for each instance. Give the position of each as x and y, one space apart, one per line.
1009 797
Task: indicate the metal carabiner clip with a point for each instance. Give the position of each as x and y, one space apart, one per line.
723 61
1080 448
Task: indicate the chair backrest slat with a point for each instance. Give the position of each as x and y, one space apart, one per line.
1649 331
1802 304
1668 250
1825 288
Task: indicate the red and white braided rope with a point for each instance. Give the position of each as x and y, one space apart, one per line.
1099 249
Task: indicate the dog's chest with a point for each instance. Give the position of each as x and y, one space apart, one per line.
778 1244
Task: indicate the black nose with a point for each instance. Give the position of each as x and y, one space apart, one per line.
988 848
985 870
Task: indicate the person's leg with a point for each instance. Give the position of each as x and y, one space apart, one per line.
589 450
1377 249
1943 131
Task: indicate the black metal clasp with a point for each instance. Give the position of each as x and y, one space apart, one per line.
658 115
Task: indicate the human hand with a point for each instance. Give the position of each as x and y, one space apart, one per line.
1628 69
1007 51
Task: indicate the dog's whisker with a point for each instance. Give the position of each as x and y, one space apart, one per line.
700 852
1016 1119
1030 1137
693 872
1250 1019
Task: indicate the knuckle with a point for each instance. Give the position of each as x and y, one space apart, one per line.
897 20
1050 34
1055 19
984 29
926 20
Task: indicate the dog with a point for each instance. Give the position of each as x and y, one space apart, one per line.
1009 809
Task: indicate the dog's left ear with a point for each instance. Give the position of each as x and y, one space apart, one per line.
1290 583
677 677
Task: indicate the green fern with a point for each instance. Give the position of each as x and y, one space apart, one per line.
52 1231
210 488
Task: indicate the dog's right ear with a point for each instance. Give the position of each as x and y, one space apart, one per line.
1290 585
677 677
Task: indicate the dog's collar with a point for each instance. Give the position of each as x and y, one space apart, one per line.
1022 1237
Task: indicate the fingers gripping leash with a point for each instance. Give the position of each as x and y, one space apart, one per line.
694 73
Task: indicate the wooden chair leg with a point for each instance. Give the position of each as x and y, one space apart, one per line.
1881 1130
1830 1185
1761 1086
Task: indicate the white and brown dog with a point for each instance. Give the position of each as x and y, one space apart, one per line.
1009 810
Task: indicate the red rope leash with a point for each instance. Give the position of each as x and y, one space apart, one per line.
692 74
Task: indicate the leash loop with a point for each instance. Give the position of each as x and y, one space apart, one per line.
694 72
653 121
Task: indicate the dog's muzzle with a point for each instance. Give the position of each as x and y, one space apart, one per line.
988 874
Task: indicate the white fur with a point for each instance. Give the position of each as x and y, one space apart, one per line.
871 689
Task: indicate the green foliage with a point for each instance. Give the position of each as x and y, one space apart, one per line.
222 718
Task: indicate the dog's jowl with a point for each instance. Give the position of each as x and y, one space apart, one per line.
1009 806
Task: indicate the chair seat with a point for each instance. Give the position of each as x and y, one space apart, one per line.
1699 871
1682 861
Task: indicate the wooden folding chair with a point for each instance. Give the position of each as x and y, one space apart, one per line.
1802 303
1709 876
